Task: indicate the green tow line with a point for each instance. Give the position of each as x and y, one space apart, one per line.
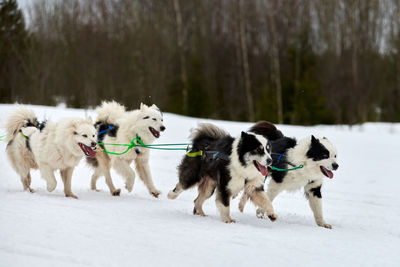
2 137
286 170
136 142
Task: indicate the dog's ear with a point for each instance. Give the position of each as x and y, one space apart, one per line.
89 120
143 106
244 134
314 140
154 106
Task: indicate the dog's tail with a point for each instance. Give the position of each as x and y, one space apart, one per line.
206 133
109 112
266 129
20 118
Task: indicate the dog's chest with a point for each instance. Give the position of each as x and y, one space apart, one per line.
298 178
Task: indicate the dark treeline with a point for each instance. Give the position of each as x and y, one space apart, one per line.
300 62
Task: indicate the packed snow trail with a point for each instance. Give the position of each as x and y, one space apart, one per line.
361 202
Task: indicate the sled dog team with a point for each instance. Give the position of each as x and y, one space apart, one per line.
224 164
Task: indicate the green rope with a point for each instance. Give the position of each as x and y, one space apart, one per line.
2 137
286 170
136 142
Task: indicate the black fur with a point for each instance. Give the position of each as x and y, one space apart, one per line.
193 169
317 150
280 147
248 143
42 125
266 129
316 191
104 129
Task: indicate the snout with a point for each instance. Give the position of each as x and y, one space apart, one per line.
269 161
162 128
93 145
335 166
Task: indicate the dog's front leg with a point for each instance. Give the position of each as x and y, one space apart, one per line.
66 175
122 167
313 193
48 174
143 169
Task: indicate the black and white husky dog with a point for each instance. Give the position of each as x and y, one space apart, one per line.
319 158
225 166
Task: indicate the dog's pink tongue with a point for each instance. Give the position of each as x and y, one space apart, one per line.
263 169
330 174
92 153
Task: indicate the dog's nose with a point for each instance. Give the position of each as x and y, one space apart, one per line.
93 144
335 166
162 128
269 161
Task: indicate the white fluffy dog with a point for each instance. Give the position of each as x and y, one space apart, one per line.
18 149
116 126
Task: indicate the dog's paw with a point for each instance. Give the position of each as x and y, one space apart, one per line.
155 193
199 212
272 217
325 225
116 192
129 187
51 185
71 195
31 190
230 220
172 195
260 213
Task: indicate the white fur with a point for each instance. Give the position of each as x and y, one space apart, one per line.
131 124
57 148
20 157
310 176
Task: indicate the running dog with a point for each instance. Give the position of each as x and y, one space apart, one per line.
115 125
319 158
61 146
225 166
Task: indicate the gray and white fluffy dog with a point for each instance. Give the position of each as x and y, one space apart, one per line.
227 164
319 158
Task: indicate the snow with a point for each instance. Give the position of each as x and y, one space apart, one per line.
361 202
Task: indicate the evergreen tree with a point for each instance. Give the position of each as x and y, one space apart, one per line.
13 37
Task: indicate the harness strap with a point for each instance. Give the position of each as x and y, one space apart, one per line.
105 130
26 137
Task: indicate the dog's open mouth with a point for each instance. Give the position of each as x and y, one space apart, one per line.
88 151
155 133
261 168
326 172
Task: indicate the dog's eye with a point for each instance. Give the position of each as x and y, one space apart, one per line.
84 135
146 117
92 135
154 119
325 156
259 150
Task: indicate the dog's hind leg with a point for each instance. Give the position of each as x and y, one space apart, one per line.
48 175
206 189
123 168
28 183
66 176
143 169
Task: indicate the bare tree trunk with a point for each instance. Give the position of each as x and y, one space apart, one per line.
276 74
179 34
245 61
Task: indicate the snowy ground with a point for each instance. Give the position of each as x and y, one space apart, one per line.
361 202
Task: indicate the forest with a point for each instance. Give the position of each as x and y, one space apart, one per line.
300 62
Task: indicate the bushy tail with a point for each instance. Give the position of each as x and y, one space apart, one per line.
109 112
205 134
266 129
21 117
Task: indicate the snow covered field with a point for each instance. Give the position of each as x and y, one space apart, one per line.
362 202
